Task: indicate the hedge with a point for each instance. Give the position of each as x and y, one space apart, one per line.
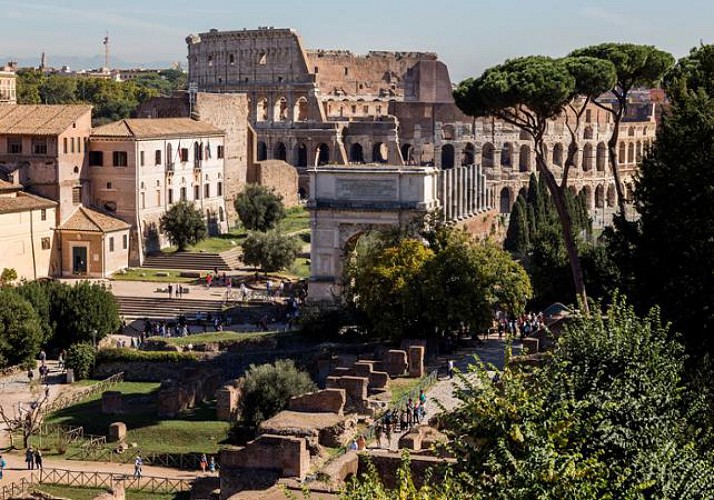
127 355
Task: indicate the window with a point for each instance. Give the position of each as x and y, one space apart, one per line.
45 243
143 201
221 152
79 144
77 195
183 194
210 60
588 116
119 158
14 145
64 143
109 185
365 110
231 59
354 110
207 191
157 157
39 146
96 158
125 241
141 158
347 71
196 192
263 58
158 197
111 243
316 70
219 189
171 196
184 155
43 214
72 143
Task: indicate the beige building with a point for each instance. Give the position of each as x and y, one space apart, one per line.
139 167
26 232
43 148
8 92
92 244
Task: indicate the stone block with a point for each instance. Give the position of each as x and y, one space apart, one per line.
227 400
531 345
111 402
355 388
412 440
395 363
287 455
362 368
117 432
378 380
325 401
416 361
70 376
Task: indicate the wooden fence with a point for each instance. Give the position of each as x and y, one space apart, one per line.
85 479
182 461
12 490
63 402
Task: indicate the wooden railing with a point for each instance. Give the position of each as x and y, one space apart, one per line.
182 461
12 490
63 402
85 479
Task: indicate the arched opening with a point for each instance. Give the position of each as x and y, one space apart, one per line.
506 154
587 157
524 159
638 151
301 160
280 111
524 136
631 132
588 133
587 195
262 152
611 195
468 155
573 154
622 153
505 204
323 154
487 154
447 156
379 153
631 153
599 197
300 111
261 113
558 154
407 153
448 133
356 153
601 159
281 152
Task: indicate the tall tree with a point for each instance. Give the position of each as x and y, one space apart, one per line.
183 224
636 66
259 208
20 331
529 92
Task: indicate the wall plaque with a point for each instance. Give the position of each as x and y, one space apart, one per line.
367 189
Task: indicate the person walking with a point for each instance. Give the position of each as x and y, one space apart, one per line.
3 464
138 463
30 375
30 458
203 463
171 290
38 459
378 433
450 368
212 465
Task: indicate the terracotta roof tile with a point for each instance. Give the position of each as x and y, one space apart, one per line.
86 219
40 119
151 128
24 202
9 186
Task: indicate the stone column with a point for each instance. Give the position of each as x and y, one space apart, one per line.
460 193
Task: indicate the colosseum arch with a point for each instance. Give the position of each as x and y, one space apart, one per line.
447 156
588 133
281 152
300 111
356 153
407 153
322 154
301 159
599 196
262 153
558 154
506 154
587 194
468 156
261 113
524 159
573 153
487 154
380 153
638 151
505 201
611 195
622 153
280 110
587 157
601 159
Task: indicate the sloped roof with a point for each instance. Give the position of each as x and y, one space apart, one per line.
155 128
9 186
87 219
24 202
39 119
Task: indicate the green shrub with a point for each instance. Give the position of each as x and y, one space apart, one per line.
269 387
127 355
80 358
20 330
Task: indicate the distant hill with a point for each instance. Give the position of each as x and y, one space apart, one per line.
77 63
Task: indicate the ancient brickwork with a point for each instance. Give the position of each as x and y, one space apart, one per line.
325 401
277 175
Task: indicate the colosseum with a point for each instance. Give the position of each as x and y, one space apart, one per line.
318 107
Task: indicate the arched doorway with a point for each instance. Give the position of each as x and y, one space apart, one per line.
323 154
300 111
611 195
558 154
487 154
587 157
447 156
356 153
281 152
599 197
524 159
379 153
407 151
262 151
469 154
505 205
601 158
301 155
506 154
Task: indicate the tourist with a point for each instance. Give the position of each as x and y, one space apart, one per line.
171 290
203 463
378 433
30 458
268 288
212 465
179 291
47 391
30 375
209 278
353 445
388 432
417 414
138 463
38 458
60 361
450 368
410 412
422 397
361 443
403 420
3 464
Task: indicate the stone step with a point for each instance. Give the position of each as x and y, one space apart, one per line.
164 308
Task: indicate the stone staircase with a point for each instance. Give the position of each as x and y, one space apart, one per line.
137 308
190 261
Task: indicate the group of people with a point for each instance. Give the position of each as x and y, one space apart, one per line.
175 288
401 419
524 325
33 458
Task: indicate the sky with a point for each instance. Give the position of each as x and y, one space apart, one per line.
468 35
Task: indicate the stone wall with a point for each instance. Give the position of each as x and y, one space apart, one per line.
388 464
355 390
191 388
277 175
228 400
325 401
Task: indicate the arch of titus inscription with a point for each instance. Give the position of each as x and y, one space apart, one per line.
346 201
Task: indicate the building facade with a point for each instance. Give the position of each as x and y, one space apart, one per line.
140 167
8 91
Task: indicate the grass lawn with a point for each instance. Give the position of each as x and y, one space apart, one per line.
300 268
297 219
195 430
151 275
225 336
216 244
401 386
90 493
